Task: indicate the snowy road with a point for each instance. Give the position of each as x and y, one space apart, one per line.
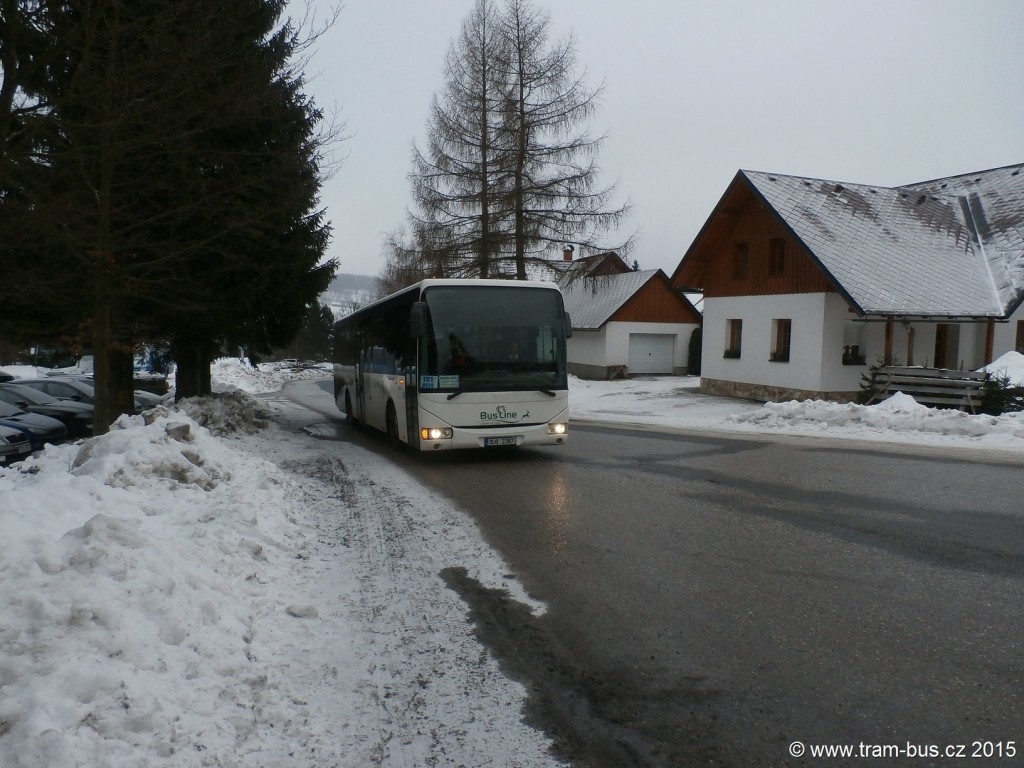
414 668
195 589
714 597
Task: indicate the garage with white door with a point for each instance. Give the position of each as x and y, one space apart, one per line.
651 352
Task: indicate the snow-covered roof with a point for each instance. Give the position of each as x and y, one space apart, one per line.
948 247
591 301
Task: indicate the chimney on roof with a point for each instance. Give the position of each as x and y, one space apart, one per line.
567 253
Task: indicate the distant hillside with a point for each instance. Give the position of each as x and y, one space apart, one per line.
347 293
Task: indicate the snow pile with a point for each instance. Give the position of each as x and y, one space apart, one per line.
674 402
229 595
232 373
140 556
1010 365
899 414
225 413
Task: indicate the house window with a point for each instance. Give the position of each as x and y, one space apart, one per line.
776 256
782 331
852 355
734 335
740 261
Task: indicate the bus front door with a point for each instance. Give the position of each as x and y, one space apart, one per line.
361 368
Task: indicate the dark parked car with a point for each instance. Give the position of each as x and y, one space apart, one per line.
77 417
14 445
63 388
5 376
41 429
82 389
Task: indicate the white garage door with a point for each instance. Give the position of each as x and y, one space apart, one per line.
651 352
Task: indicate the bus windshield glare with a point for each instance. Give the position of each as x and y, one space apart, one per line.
492 338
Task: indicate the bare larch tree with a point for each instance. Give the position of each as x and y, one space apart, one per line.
509 172
458 178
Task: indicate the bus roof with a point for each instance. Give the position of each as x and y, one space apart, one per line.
476 281
473 282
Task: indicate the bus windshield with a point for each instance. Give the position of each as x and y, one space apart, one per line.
489 338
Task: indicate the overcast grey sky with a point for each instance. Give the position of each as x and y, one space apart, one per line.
882 92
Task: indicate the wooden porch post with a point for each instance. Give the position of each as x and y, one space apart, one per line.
990 341
888 340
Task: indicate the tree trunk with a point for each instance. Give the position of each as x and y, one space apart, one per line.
192 377
102 258
101 343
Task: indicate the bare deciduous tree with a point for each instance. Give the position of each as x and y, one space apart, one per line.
509 170
458 178
554 198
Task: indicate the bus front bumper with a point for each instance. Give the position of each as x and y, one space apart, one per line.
554 433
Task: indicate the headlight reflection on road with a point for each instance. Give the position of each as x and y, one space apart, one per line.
558 520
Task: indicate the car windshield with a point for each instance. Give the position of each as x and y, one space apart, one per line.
6 409
15 393
64 388
492 338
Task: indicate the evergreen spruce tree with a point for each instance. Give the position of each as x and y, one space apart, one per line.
174 193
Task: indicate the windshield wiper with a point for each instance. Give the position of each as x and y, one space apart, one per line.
458 392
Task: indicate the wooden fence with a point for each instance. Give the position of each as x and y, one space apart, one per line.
931 386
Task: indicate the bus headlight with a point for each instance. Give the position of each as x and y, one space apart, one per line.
557 428
436 433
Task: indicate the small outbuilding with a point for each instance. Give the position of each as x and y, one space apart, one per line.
625 322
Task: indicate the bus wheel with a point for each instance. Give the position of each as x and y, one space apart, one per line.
392 426
348 410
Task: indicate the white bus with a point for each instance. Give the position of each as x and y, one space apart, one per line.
457 364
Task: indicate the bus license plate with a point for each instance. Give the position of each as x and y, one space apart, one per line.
489 441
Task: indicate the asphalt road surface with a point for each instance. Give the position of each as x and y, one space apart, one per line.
716 600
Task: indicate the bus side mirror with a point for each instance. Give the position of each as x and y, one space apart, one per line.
418 320
568 326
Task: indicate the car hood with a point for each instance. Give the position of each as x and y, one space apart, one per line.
33 421
63 406
11 432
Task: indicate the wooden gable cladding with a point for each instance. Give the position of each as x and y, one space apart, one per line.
657 302
742 222
758 232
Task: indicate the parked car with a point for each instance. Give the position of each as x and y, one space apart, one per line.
82 389
14 445
77 417
40 429
288 362
145 400
5 376
64 387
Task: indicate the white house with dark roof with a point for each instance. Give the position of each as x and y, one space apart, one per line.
625 322
806 282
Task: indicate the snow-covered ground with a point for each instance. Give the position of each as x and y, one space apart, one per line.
210 585
672 402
